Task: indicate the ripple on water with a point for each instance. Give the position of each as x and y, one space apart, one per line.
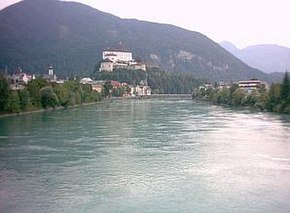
146 155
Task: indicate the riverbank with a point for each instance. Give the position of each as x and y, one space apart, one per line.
274 99
154 96
45 110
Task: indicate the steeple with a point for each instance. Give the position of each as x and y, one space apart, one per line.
50 70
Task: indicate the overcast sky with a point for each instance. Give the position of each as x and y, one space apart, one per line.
243 22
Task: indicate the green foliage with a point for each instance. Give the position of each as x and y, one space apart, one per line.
106 92
34 88
25 103
172 83
62 93
121 75
118 92
279 96
48 97
159 81
39 94
277 99
238 97
96 97
4 92
78 98
13 103
285 87
285 91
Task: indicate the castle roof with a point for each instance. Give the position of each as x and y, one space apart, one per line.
116 50
110 54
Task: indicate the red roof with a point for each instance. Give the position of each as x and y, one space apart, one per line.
116 83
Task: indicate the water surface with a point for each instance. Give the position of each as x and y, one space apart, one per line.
145 156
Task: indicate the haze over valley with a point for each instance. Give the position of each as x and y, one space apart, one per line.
268 58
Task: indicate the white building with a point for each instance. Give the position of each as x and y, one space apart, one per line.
120 59
51 77
116 55
86 81
250 85
18 80
106 65
140 90
137 66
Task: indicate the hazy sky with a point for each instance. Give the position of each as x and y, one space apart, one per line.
243 22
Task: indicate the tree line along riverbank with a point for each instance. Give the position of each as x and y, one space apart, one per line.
39 94
276 99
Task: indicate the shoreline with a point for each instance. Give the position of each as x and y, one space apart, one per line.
155 96
46 110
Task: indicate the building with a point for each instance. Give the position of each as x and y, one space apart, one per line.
206 86
137 66
107 65
252 84
117 55
86 81
19 79
140 90
98 86
119 59
51 77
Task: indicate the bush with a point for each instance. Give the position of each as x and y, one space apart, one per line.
48 97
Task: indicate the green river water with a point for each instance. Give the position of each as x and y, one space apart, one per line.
145 156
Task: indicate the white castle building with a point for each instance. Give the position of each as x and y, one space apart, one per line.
118 59
117 55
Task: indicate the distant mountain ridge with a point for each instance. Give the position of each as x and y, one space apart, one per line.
266 57
71 36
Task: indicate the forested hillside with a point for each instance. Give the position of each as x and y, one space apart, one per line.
71 36
160 82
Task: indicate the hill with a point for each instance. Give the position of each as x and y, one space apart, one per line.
267 57
71 36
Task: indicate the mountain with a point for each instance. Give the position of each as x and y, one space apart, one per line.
71 37
231 48
268 58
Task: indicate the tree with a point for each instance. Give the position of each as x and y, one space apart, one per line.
118 92
224 97
62 94
274 98
106 92
13 104
159 81
48 97
238 97
24 97
34 88
285 88
4 92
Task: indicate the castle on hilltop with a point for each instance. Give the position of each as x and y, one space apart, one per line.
119 58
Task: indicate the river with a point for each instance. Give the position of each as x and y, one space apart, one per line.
145 156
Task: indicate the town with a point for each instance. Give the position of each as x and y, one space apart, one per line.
111 59
121 58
